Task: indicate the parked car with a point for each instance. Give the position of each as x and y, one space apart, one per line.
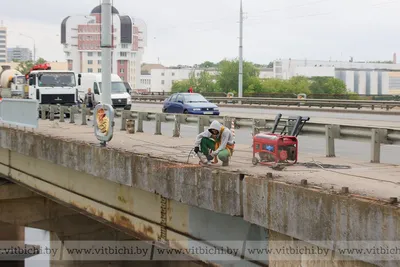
189 103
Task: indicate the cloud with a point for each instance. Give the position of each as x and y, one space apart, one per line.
189 32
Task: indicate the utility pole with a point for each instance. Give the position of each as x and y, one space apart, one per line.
34 46
34 51
106 45
241 52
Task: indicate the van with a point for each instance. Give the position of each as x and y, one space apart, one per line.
120 96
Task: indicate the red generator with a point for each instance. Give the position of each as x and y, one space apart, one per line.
273 149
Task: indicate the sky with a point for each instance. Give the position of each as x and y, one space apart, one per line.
190 32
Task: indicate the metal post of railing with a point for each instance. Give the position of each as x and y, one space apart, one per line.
84 116
72 114
227 121
256 124
177 126
140 118
124 117
375 146
158 124
330 141
202 122
43 111
62 109
51 117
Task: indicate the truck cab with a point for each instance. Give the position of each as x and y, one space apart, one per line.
119 93
17 85
52 86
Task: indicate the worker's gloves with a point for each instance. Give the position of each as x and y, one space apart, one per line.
214 153
196 149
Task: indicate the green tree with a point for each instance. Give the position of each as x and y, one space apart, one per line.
254 86
327 86
40 61
299 85
205 82
25 66
207 64
180 86
229 73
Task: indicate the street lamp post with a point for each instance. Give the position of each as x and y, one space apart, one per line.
34 46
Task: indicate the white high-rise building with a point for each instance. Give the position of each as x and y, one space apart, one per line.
19 54
81 36
3 44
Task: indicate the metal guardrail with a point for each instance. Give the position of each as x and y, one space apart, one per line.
332 103
374 135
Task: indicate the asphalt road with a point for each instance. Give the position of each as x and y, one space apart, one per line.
307 144
250 112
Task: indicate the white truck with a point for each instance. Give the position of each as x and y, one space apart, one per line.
52 86
119 92
13 80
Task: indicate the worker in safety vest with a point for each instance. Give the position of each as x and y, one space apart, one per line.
218 140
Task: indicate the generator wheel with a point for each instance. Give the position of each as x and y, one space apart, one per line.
255 161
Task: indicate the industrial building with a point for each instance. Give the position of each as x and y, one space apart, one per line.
19 54
3 44
360 78
81 36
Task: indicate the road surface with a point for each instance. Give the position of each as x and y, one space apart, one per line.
392 120
307 144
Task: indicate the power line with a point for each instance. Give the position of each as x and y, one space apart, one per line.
226 18
258 17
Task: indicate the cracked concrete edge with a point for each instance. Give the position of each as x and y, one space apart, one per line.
318 217
190 184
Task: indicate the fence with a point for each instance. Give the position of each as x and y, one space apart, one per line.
386 97
332 103
375 135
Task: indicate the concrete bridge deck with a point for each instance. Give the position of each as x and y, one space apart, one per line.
380 181
143 185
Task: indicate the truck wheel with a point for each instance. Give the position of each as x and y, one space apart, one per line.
254 161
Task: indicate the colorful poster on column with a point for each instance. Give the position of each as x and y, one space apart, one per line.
104 122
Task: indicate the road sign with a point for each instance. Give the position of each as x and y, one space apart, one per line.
20 112
104 123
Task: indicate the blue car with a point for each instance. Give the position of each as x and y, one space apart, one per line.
189 103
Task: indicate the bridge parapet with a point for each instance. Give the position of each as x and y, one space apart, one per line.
298 202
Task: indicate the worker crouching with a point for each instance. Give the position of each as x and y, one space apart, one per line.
215 143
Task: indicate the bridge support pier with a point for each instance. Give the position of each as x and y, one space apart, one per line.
13 236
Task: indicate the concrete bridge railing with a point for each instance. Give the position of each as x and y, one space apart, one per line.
374 135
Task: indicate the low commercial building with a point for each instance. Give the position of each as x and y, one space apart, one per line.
159 79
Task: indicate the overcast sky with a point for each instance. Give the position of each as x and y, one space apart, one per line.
190 32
